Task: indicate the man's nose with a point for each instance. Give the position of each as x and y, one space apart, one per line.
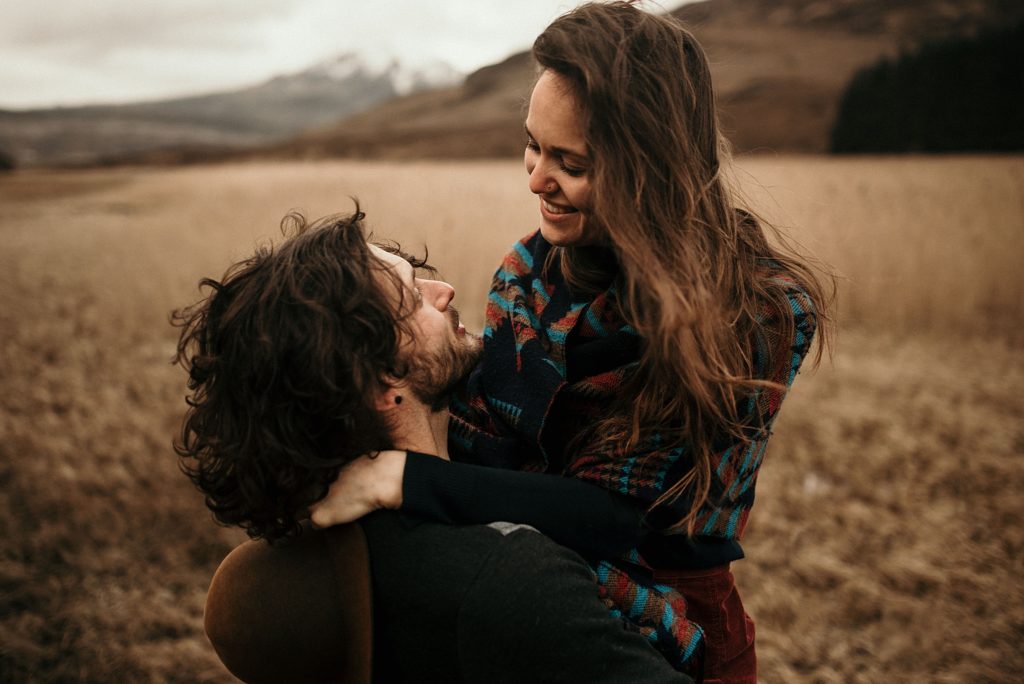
438 293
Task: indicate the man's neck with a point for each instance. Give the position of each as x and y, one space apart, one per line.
425 432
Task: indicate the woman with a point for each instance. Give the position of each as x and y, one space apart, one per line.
642 341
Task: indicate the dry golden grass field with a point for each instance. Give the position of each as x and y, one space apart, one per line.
888 540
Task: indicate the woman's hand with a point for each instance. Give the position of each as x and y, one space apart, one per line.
363 486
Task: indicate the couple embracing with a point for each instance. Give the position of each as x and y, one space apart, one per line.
557 500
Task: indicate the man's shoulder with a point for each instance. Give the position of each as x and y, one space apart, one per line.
394 533
391 535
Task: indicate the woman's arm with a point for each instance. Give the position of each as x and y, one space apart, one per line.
582 516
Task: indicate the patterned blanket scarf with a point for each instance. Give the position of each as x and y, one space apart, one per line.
553 364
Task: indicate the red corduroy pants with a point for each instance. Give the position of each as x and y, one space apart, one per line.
713 602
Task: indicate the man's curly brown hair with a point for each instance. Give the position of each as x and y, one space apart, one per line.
284 355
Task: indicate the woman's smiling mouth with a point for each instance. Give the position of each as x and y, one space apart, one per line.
556 209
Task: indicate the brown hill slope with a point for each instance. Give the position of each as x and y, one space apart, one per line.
482 117
780 67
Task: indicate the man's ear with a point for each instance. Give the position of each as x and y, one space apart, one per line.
390 394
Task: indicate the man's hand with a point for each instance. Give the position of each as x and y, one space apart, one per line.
363 486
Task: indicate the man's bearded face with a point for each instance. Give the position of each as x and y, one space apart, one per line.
437 366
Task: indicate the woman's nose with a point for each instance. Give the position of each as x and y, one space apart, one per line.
540 182
438 293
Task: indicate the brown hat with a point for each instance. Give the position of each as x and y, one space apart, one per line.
296 613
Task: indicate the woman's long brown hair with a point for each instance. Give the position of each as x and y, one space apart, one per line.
697 274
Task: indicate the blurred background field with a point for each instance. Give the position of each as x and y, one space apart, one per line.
888 539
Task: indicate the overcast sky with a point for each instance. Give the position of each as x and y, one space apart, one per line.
89 51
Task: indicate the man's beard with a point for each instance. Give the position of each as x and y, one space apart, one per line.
433 376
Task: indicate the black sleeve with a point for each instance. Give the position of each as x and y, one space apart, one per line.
576 514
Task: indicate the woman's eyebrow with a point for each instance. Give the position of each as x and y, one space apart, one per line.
558 150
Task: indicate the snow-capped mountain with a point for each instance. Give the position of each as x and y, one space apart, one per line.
403 78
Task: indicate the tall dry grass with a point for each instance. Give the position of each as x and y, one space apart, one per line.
920 245
887 543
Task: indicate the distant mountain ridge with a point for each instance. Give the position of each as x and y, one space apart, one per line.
279 107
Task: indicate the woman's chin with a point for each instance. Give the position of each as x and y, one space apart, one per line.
564 233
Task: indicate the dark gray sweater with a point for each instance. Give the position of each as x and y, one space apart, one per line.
471 604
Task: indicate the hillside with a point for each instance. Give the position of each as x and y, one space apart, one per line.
780 67
482 117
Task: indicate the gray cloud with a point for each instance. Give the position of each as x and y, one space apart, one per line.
103 25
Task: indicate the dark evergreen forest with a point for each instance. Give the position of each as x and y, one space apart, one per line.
964 95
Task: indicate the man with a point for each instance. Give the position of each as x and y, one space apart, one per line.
302 358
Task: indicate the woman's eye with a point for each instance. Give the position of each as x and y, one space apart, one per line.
574 171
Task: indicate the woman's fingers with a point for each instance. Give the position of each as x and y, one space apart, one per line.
363 486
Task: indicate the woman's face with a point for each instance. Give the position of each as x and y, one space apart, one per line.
558 162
